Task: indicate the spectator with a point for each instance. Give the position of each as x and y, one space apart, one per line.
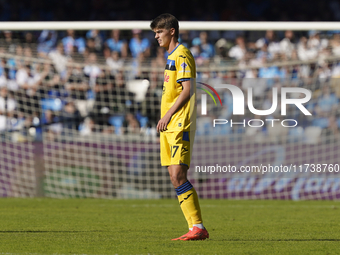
150 107
287 44
137 67
72 44
55 87
131 124
270 41
221 47
88 127
10 82
184 38
70 116
97 38
91 47
103 89
156 75
19 51
324 72
107 53
30 89
3 122
92 70
18 121
239 50
335 44
7 102
139 45
327 102
59 59
160 60
331 133
116 44
314 41
28 80
304 52
28 52
196 50
114 62
9 43
3 75
268 72
263 54
78 85
121 97
46 42
29 41
206 48
51 123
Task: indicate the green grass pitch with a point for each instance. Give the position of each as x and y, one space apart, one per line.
96 226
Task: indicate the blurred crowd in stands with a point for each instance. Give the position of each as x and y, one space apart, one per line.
86 81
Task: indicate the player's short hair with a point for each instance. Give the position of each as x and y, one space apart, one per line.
166 21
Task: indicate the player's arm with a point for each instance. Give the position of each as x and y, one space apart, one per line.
182 99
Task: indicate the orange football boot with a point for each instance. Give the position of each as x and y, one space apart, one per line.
196 234
182 237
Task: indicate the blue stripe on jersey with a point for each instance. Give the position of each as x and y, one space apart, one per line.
170 62
184 79
186 136
183 188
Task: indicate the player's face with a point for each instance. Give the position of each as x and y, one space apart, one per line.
163 36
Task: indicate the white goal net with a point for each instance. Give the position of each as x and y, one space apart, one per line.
78 115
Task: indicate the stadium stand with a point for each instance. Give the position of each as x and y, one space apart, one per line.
48 75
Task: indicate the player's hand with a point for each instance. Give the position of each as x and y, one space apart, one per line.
163 123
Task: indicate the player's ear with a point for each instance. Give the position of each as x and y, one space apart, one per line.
172 31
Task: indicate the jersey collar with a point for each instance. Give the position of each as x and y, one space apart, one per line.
174 49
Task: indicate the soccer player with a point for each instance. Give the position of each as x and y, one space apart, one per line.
178 121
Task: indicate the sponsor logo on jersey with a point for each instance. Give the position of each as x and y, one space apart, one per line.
170 65
184 65
184 68
166 77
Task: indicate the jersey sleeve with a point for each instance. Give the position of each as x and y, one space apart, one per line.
185 66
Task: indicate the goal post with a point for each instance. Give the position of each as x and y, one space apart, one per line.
86 128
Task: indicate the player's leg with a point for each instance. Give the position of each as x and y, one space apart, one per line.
178 177
166 151
188 200
180 149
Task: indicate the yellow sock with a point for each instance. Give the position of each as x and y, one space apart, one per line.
185 212
188 201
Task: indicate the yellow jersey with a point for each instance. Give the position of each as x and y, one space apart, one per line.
180 67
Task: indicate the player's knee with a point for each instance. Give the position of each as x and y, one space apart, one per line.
177 179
